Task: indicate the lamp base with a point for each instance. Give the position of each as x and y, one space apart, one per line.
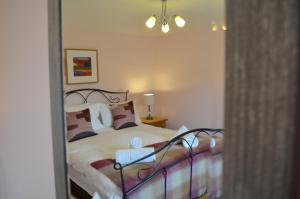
149 117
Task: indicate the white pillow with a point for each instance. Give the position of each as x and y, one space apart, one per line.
105 113
95 115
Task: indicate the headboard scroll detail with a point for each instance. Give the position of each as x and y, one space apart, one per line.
85 93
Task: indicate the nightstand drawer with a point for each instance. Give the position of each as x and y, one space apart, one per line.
156 121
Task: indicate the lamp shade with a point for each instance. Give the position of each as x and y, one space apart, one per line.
149 99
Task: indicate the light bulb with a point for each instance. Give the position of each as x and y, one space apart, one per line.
165 28
179 21
150 23
224 27
214 27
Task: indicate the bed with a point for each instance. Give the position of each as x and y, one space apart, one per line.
177 172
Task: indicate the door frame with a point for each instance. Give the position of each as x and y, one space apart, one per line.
57 112
56 98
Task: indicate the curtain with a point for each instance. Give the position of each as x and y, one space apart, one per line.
262 76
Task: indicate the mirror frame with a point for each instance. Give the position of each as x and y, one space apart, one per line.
57 113
56 98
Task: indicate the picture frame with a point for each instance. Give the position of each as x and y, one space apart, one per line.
81 66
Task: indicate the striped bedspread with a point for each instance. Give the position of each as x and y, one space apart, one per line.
206 173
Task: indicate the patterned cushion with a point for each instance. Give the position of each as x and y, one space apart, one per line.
79 125
123 115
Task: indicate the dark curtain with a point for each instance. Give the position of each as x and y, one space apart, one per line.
262 82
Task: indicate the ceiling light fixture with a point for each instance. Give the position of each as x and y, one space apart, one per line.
215 27
164 19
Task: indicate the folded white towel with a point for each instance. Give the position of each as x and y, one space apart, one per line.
125 156
136 142
182 129
190 140
212 142
96 196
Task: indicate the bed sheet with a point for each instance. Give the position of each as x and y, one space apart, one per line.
83 152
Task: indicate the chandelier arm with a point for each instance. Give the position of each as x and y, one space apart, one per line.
165 5
162 12
164 18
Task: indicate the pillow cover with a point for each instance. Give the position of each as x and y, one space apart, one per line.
100 114
79 125
137 118
123 115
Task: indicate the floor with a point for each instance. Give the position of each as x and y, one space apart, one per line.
203 197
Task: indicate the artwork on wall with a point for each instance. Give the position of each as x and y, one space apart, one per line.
81 66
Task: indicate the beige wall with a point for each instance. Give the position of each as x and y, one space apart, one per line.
26 160
184 69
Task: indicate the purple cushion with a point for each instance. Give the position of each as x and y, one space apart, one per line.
123 115
79 125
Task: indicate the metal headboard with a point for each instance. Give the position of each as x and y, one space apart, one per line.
85 93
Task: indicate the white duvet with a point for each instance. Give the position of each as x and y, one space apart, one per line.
83 152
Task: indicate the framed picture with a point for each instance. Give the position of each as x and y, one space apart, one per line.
81 66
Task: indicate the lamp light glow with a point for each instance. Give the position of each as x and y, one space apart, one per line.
179 21
224 27
214 27
150 23
165 28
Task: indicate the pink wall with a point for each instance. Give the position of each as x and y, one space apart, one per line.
189 78
184 69
125 61
26 160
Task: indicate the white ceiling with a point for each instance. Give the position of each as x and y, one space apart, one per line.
129 16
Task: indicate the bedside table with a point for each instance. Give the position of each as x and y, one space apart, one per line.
156 121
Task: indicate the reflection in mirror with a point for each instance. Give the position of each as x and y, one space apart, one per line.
144 92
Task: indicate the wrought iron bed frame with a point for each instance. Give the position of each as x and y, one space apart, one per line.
106 94
163 170
157 170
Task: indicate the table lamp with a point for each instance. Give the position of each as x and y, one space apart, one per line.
149 101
